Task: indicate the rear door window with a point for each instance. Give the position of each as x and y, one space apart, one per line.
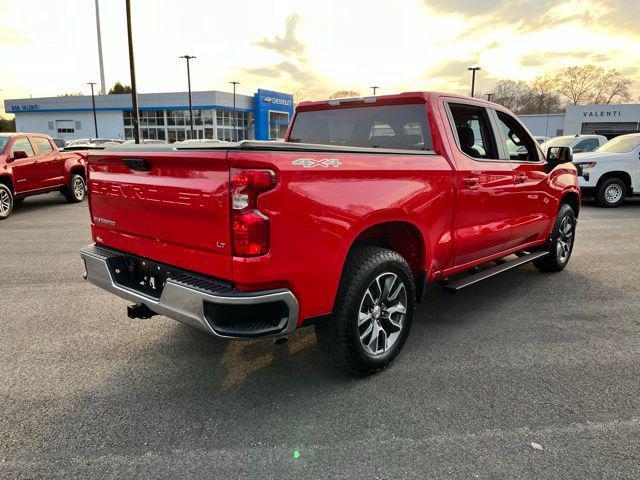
390 126
42 145
474 133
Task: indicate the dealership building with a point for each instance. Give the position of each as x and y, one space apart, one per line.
607 120
164 116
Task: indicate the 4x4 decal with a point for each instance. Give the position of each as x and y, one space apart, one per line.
312 162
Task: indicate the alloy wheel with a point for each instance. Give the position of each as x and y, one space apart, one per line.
78 188
5 202
381 314
565 239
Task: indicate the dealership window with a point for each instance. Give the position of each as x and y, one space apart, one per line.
278 123
175 125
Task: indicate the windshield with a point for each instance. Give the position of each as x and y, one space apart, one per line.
392 126
558 142
3 143
622 144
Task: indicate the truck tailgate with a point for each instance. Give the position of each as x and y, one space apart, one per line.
171 207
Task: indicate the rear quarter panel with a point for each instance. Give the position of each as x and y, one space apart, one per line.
317 212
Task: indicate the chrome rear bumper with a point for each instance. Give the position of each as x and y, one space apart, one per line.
192 302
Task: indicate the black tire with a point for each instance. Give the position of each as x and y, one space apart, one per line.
611 192
6 201
74 192
560 243
340 336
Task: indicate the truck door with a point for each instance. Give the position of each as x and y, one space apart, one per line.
49 162
532 205
484 182
24 169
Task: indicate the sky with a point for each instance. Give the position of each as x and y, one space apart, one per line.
314 48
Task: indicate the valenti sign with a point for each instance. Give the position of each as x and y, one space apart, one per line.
602 113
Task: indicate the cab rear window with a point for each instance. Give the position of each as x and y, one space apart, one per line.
391 126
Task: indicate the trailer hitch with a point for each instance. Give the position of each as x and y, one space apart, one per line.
140 310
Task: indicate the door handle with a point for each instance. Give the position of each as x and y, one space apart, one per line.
521 178
470 181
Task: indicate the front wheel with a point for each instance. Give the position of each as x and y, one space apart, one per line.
611 192
372 313
6 201
560 244
77 189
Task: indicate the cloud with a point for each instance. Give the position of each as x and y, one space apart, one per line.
533 15
288 44
294 71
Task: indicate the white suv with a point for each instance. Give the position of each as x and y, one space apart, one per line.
579 143
612 172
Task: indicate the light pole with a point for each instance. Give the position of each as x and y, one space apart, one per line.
132 69
235 116
188 58
100 60
93 101
473 79
374 88
490 96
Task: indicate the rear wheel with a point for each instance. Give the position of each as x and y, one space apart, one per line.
6 201
77 189
560 244
373 311
611 192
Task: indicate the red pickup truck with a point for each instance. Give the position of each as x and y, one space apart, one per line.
340 227
31 164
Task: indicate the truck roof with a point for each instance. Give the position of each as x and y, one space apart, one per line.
405 97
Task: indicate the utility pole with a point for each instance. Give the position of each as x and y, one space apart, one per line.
103 90
374 88
132 69
235 116
473 79
93 101
188 58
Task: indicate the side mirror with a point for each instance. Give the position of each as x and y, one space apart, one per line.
557 156
18 154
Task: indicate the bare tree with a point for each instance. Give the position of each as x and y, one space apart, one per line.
614 87
345 94
592 84
541 96
510 94
578 84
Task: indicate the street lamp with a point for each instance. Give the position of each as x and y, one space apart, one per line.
374 88
473 78
188 58
93 101
132 69
235 116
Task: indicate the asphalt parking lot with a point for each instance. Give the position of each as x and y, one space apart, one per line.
525 357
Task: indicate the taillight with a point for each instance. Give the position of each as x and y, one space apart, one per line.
249 226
